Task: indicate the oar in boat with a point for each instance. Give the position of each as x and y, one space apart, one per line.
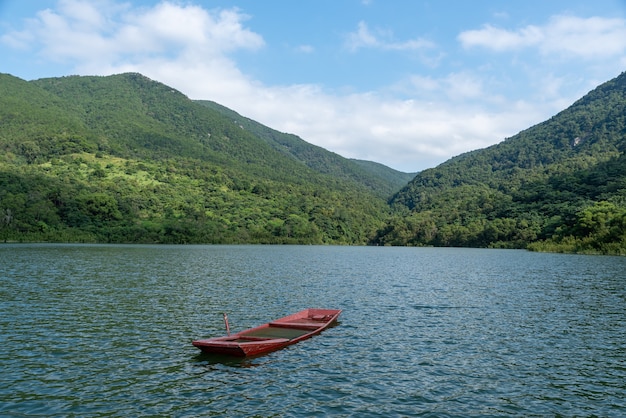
226 323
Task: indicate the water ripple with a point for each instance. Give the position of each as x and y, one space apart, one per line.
106 331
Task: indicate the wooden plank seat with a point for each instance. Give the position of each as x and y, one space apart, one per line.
253 338
235 343
296 324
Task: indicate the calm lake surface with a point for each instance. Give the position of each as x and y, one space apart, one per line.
106 330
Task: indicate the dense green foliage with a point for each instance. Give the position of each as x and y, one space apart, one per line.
127 159
558 186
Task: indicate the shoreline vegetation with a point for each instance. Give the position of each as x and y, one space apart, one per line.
125 159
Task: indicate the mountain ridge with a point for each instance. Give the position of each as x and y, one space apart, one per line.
317 157
127 159
514 193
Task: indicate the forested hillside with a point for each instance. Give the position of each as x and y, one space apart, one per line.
558 186
381 179
127 159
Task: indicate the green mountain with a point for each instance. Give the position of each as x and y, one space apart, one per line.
127 159
396 178
558 186
380 179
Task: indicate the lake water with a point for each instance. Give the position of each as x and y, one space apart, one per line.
106 330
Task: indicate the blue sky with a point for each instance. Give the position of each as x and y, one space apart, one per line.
407 83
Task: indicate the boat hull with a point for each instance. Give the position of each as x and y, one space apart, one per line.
272 336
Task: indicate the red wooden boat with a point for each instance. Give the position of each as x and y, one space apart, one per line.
271 336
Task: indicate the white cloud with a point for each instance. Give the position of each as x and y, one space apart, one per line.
365 38
586 38
405 134
500 39
305 49
361 38
87 32
418 122
86 16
